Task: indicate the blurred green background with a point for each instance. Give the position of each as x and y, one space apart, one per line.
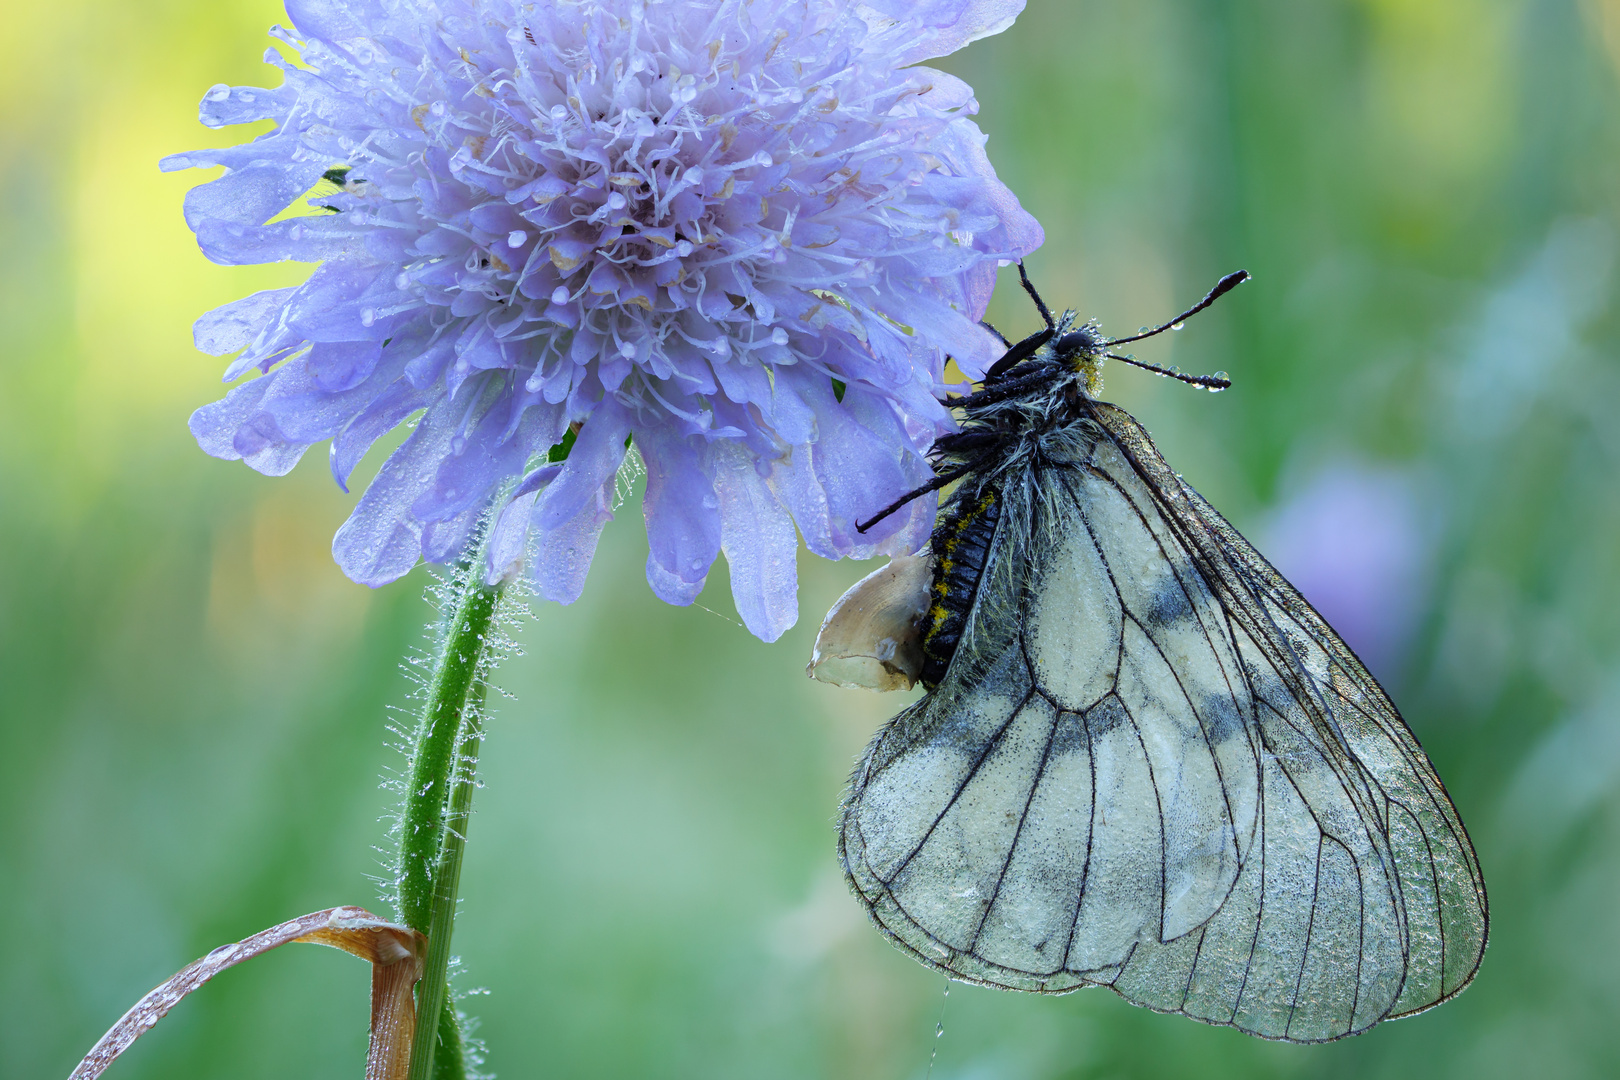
1422 432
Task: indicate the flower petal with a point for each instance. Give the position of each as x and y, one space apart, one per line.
911 30
562 555
233 326
381 541
760 544
593 461
682 512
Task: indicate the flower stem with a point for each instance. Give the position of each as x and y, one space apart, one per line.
448 1062
438 801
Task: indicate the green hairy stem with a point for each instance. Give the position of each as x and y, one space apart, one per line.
438 802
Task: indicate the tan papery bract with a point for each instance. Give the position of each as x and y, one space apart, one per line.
872 637
395 953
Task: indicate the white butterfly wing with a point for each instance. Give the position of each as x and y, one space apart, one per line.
1151 766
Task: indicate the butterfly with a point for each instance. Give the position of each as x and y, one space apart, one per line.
1143 760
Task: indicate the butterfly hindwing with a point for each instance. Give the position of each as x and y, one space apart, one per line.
1151 766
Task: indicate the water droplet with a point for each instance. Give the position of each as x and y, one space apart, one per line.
516 238
683 248
402 280
558 111
762 158
694 175
626 349
437 108
697 564
514 35
1177 325
218 92
939 1031
616 201
1222 375
779 336
368 316
559 295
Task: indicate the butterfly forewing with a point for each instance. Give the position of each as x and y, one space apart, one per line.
1151 766
1441 890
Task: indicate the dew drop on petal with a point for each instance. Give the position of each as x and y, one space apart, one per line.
516 238
514 35
683 248
368 316
218 92
694 175
558 111
626 349
762 158
616 201
779 336
402 280
559 295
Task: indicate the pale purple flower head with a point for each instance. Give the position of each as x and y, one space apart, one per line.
740 236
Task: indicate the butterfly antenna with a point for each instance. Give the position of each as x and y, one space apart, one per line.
1040 305
1217 381
1222 287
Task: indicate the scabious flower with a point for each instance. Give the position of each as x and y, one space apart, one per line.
739 235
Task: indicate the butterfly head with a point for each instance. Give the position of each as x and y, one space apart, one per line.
1080 349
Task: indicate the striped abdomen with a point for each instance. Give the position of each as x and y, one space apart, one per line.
960 544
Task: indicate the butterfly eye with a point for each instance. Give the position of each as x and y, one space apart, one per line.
1082 340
